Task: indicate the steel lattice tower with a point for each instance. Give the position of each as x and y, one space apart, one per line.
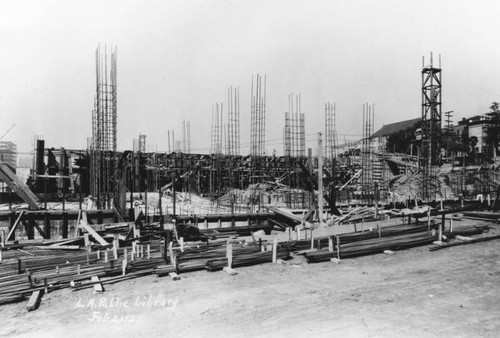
431 124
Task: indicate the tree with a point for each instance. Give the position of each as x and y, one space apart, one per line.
400 141
473 140
492 138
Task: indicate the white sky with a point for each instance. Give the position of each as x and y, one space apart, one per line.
177 58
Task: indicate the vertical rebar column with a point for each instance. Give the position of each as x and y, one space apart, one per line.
257 117
188 137
302 130
184 136
104 127
287 145
233 126
237 120
212 132
320 179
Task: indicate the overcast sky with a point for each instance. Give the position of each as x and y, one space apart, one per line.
177 58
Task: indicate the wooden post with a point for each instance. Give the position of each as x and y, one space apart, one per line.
64 226
275 248
86 239
98 253
297 229
428 221
78 269
115 248
149 251
30 282
172 257
229 256
379 231
338 247
19 270
181 242
441 228
124 266
451 225
31 226
106 256
330 244
312 240
165 248
3 238
355 229
260 245
45 286
99 217
1 256
46 225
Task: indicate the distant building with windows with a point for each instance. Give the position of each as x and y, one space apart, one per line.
477 126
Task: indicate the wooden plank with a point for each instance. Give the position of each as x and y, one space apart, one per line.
95 227
34 300
117 214
77 227
18 186
40 231
94 234
14 227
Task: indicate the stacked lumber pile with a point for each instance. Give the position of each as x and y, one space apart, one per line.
358 244
213 256
322 241
483 215
52 269
246 259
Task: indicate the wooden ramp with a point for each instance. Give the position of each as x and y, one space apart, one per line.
18 186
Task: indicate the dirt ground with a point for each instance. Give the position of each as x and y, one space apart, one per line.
412 293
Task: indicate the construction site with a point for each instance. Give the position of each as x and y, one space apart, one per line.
392 233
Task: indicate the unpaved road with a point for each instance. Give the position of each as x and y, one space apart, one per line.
453 292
